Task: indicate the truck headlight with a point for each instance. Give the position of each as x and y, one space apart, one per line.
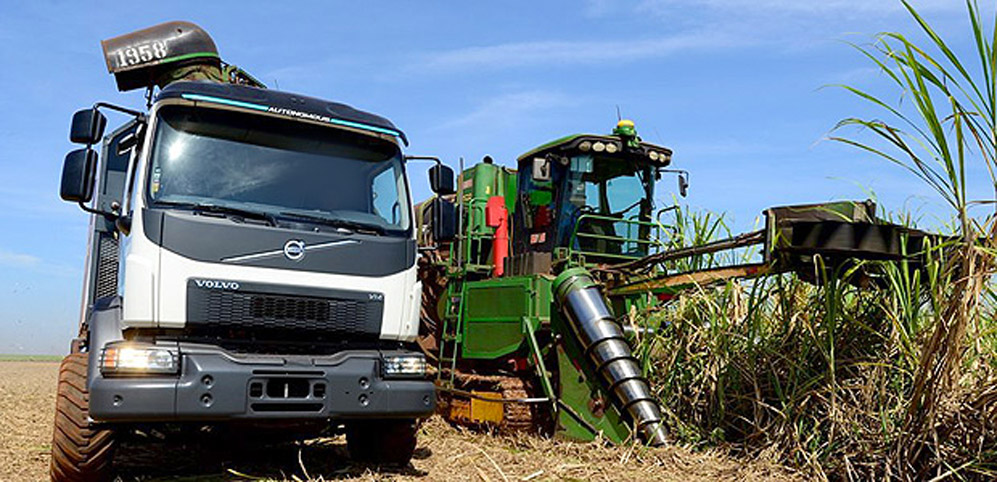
138 359
404 366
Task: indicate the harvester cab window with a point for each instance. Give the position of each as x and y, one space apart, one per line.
623 196
605 197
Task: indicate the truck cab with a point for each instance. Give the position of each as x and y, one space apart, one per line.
252 260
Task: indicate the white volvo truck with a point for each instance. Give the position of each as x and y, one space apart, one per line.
251 263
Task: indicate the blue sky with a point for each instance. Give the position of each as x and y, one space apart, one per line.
733 86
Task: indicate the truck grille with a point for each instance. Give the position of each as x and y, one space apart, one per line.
256 312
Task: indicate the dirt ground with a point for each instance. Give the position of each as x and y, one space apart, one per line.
27 397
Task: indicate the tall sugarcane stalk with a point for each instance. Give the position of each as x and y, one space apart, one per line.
952 126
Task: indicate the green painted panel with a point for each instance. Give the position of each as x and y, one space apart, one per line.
510 182
478 184
494 312
591 410
541 198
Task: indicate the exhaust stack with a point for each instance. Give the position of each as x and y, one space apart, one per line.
577 293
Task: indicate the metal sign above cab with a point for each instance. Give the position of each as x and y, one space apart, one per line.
141 58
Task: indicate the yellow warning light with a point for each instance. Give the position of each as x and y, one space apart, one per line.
625 128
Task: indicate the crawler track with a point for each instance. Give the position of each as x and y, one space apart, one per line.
517 417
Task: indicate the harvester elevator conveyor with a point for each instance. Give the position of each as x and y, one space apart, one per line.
839 234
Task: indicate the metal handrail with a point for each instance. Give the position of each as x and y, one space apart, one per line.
630 237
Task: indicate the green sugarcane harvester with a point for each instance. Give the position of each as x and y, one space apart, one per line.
534 280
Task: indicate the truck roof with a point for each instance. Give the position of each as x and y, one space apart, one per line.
281 103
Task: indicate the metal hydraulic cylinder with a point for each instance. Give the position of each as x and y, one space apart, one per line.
601 336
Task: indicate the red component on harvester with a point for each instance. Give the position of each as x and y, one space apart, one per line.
541 217
497 216
518 364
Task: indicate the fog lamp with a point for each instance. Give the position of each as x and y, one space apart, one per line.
404 366
138 359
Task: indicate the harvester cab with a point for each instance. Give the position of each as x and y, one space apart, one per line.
587 197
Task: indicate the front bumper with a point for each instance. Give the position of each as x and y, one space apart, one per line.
216 386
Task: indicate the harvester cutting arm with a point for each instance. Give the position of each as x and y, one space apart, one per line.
648 262
794 237
678 281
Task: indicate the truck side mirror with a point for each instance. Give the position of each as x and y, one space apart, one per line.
88 127
444 220
441 180
78 174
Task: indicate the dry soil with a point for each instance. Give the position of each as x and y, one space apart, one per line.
27 397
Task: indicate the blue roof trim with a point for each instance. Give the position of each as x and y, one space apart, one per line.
220 100
278 110
365 126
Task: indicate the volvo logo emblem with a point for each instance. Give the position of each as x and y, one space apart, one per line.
216 284
294 249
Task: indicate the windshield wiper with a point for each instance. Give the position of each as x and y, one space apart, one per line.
357 226
222 209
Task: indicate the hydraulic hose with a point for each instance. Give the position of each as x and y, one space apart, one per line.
581 302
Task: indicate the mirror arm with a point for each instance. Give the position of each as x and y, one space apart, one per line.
683 178
109 215
424 158
676 171
139 116
439 165
118 108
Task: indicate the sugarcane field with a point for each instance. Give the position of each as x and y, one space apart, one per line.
680 240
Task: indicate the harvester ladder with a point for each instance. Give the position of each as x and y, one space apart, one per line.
452 328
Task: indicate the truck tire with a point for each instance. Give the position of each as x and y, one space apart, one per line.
387 442
79 452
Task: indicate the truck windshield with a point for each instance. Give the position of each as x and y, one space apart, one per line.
279 168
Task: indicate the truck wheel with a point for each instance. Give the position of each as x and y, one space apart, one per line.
389 442
79 453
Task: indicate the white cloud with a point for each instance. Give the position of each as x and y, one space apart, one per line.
521 54
31 263
18 260
805 7
507 110
792 25
693 25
